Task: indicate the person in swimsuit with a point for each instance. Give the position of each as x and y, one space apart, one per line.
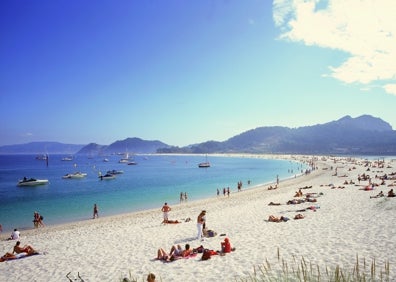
200 224
25 249
166 209
95 212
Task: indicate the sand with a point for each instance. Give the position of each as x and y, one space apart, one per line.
347 227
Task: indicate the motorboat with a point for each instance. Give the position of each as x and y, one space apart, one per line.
132 163
115 171
76 175
32 182
105 160
107 176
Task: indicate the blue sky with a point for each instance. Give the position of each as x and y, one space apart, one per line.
184 72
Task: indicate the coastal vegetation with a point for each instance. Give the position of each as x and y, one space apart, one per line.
303 270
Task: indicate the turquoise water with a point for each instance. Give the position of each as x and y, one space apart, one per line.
154 180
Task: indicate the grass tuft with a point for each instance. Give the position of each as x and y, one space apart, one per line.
302 270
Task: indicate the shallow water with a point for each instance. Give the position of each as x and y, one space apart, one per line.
154 180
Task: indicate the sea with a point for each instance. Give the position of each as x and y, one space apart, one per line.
154 180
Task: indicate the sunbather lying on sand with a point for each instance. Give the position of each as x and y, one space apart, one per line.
170 221
175 253
10 256
295 201
273 218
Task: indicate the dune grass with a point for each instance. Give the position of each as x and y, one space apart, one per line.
302 270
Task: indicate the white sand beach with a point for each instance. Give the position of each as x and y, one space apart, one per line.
347 223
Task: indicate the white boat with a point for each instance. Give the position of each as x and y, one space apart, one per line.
32 182
126 159
76 175
67 158
204 164
42 157
105 160
132 163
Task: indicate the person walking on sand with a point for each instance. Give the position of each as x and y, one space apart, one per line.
95 211
200 223
166 209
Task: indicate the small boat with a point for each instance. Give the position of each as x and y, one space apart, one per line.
67 158
114 171
132 163
204 164
125 159
32 182
76 175
42 157
105 160
107 176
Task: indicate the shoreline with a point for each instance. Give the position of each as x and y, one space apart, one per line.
189 204
83 218
346 224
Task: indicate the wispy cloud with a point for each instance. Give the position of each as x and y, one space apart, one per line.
364 29
27 134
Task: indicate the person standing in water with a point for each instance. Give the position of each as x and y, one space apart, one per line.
95 211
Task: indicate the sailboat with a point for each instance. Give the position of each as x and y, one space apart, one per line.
125 159
204 164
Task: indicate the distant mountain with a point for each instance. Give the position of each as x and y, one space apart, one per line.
363 135
40 148
131 145
135 145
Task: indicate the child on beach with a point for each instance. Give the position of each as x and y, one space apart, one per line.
14 235
226 246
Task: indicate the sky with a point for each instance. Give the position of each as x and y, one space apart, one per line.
186 72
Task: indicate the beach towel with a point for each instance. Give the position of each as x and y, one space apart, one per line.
173 258
17 256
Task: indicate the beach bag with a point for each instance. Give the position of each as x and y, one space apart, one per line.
206 254
211 233
200 249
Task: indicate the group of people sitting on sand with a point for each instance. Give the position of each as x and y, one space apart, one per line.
19 252
177 252
381 194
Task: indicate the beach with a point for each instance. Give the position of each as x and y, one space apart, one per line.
342 227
